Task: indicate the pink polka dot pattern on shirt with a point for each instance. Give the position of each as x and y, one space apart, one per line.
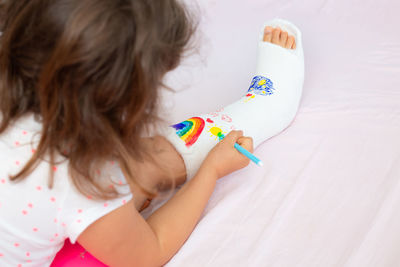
55 226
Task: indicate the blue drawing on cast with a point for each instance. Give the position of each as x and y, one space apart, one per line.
261 86
182 127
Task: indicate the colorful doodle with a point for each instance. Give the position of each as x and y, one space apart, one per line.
261 86
189 130
216 131
249 97
226 118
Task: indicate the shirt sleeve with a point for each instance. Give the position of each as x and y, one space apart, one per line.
79 211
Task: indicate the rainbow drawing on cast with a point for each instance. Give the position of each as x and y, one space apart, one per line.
189 130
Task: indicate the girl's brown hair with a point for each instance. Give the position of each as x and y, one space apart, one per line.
91 71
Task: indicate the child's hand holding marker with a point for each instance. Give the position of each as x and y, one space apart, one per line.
243 151
224 158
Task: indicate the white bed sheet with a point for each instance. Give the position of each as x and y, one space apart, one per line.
329 193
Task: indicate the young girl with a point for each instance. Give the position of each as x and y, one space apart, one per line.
78 87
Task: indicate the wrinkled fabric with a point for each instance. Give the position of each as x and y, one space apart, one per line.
329 191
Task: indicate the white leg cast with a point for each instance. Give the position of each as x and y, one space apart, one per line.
268 107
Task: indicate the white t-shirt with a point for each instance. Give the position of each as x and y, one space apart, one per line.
35 220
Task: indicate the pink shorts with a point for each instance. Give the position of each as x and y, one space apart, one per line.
75 255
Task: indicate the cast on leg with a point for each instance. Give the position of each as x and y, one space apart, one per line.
266 109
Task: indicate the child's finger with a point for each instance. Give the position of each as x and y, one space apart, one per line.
233 136
246 142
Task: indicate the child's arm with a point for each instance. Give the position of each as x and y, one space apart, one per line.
124 238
